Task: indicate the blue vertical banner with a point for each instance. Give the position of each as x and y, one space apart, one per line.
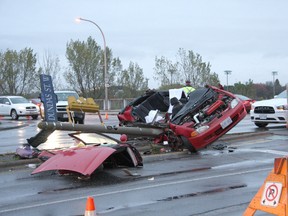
49 98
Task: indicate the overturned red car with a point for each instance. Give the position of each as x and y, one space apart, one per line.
90 152
192 121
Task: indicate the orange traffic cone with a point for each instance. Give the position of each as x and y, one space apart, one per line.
90 207
106 116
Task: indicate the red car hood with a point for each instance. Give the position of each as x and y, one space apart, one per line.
83 160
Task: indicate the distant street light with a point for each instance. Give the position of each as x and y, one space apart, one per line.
227 72
274 73
105 61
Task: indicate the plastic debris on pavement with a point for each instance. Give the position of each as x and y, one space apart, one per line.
27 152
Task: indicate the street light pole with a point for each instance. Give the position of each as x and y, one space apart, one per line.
105 62
274 73
227 72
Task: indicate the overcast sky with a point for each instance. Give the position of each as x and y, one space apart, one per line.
248 37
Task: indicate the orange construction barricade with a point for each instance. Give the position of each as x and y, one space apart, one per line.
272 196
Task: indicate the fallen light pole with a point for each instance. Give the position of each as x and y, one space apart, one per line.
151 132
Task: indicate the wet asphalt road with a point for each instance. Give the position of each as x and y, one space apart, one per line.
211 182
14 138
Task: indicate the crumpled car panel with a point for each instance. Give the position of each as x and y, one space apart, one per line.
84 160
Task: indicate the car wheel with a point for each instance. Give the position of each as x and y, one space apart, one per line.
187 144
34 117
14 115
261 125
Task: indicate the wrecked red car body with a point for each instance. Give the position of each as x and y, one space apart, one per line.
200 119
86 157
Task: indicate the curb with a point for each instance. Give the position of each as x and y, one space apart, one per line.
15 163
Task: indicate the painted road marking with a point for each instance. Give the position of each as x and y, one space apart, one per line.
132 190
270 151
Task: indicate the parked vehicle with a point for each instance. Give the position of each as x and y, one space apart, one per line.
62 97
246 101
195 122
270 111
16 106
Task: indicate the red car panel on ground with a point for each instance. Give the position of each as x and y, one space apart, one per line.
84 160
91 151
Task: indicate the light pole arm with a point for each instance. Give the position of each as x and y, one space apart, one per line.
105 62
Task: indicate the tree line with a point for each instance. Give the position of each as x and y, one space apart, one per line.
20 73
257 91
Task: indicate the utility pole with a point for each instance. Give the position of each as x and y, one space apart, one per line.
227 72
274 73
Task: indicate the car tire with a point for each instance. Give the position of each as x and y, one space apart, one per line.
14 115
187 144
261 125
34 117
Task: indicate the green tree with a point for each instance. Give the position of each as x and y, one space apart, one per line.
188 67
166 72
132 81
50 65
278 87
246 89
194 69
18 72
86 69
263 91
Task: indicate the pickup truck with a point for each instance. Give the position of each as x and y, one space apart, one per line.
62 115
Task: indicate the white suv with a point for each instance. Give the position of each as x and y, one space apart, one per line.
62 115
16 106
270 111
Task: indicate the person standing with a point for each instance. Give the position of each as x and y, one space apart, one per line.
188 88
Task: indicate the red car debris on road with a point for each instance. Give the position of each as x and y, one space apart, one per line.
90 152
166 117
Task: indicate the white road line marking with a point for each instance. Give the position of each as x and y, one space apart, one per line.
135 189
270 151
